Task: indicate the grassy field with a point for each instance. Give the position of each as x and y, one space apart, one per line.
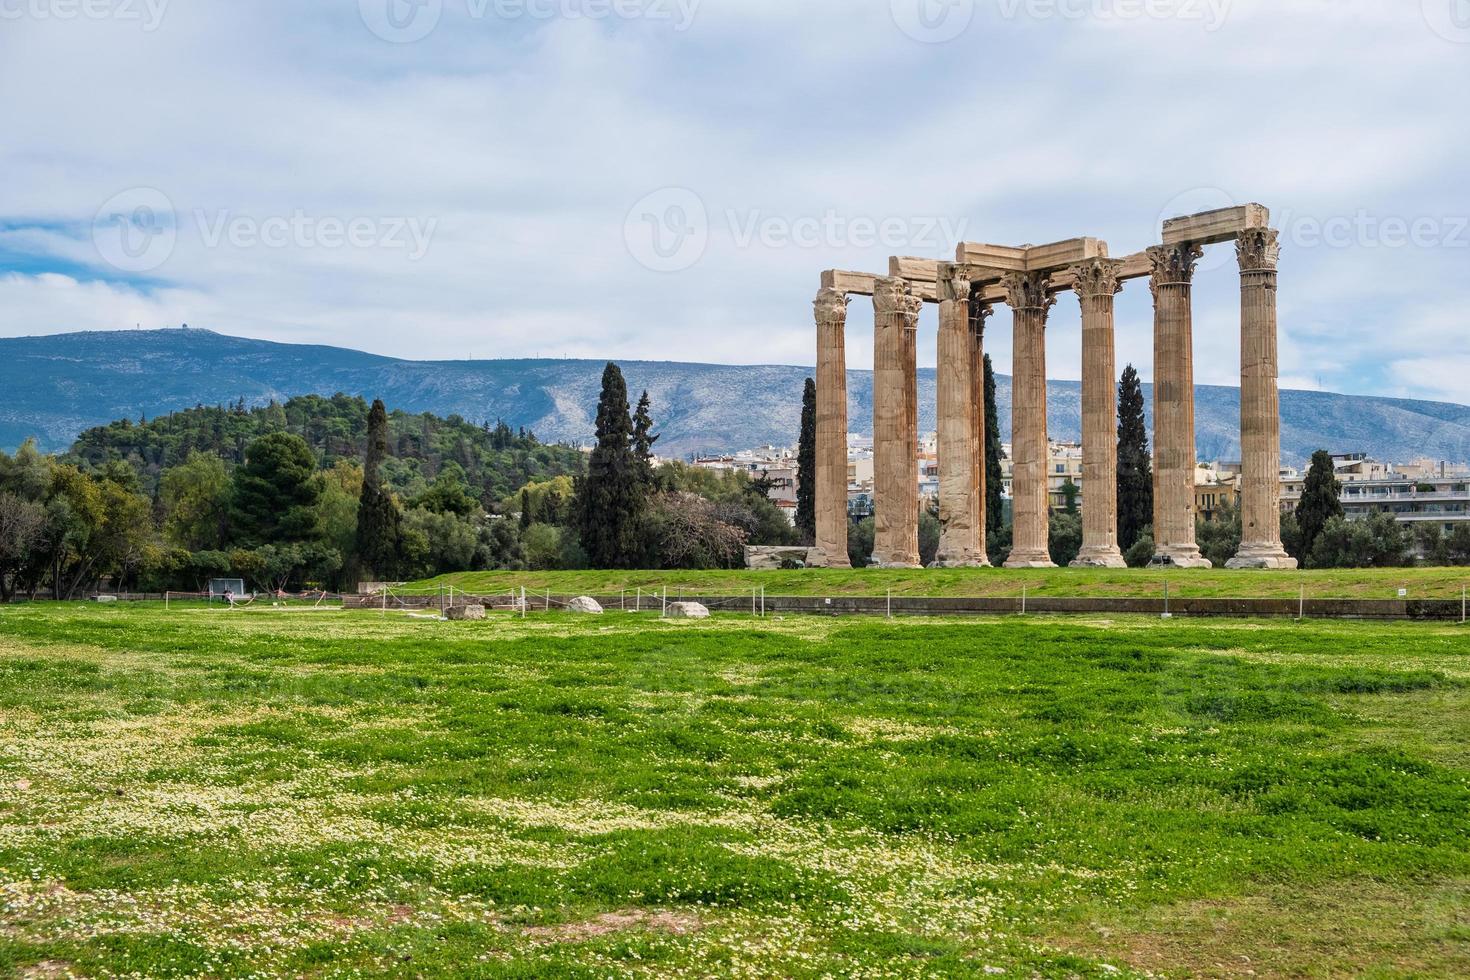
1422 583
327 794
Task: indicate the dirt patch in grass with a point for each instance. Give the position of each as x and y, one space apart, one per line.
1346 928
674 923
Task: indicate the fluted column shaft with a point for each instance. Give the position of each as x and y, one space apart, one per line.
1097 284
1029 299
1260 405
959 544
1174 443
895 425
831 475
979 313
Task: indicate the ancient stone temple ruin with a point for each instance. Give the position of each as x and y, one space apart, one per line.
1028 279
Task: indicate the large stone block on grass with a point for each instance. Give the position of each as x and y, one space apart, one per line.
463 613
686 610
585 604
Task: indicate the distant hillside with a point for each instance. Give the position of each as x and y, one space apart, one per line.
55 387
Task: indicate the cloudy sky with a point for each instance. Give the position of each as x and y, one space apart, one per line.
666 179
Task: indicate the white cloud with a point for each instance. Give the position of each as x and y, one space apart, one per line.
526 142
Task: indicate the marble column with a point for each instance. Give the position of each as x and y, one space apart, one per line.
1028 296
1260 406
1097 284
831 476
895 425
959 541
1174 445
980 311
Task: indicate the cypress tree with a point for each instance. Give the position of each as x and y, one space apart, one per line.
526 516
612 497
378 519
1135 466
1320 501
643 440
994 476
806 465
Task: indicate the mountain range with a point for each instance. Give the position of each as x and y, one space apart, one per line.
56 386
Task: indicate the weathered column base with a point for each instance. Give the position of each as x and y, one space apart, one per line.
1183 558
906 563
964 561
1033 559
1100 558
817 558
1266 558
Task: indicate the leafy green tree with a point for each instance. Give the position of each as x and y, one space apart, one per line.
542 546
1064 536
379 521
1321 501
612 495
643 440
806 465
1142 551
448 494
860 542
1457 545
994 474
1377 541
276 493
1135 466
1219 538
196 501
1070 492
22 533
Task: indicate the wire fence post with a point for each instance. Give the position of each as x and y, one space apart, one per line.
890 602
1167 613
1023 598
523 602
548 600
752 600
665 610
1463 592
638 599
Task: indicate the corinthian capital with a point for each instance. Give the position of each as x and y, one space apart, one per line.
954 283
980 311
1258 249
894 296
831 306
1027 290
1097 277
1174 264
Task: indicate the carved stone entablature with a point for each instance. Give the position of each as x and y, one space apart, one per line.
1097 277
1258 250
893 296
954 282
1028 290
831 306
1173 265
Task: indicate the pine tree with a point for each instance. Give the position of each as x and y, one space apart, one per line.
994 475
643 440
611 502
806 465
378 519
1135 466
1321 501
276 493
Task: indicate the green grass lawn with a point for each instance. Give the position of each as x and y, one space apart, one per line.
204 792
1422 583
